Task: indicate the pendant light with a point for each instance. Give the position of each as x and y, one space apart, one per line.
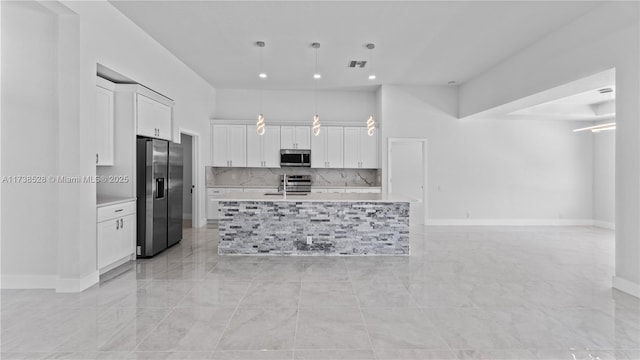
371 126
371 46
260 126
316 76
371 122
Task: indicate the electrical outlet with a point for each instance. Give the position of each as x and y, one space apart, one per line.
309 240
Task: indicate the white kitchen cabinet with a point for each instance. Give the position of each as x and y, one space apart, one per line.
295 137
327 148
263 150
104 122
213 195
213 198
228 146
116 234
360 149
154 118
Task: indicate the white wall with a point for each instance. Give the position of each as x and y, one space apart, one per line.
607 37
604 177
29 118
333 106
90 33
491 169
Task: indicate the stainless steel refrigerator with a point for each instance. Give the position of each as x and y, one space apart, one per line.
159 194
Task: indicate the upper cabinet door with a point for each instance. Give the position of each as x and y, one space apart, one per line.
219 145
104 126
271 147
287 137
154 118
254 147
368 150
146 115
237 145
303 137
334 147
319 150
163 120
352 147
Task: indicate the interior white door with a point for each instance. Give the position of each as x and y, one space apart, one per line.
406 158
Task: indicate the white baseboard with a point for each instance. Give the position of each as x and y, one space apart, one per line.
604 224
28 282
626 286
77 285
509 222
115 264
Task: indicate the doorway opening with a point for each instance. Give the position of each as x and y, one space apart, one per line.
407 175
190 178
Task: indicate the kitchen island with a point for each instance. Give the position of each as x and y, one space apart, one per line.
313 224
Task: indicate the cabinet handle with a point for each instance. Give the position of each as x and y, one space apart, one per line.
231 162
96 158
117 225
121 224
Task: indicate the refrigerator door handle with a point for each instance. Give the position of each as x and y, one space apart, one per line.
160 188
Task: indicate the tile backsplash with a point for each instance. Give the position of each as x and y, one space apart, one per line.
216 176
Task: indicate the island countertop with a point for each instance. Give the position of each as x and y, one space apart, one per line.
314 197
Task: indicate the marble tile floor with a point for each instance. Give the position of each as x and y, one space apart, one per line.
464 293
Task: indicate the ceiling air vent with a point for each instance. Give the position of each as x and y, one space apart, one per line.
357 64
605 90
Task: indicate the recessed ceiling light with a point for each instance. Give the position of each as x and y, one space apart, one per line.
452 82
317 76
262 75
372 77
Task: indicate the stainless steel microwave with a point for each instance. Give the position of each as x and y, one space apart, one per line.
295 157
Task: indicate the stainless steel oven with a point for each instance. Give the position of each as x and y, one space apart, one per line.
295 157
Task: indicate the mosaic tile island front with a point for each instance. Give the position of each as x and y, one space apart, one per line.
314 227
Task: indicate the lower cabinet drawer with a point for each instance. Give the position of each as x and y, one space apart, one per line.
116 239
116 211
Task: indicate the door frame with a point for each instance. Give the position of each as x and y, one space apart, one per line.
196 221
423 143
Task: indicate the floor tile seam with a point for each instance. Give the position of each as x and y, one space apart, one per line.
165 317
366 327
235 311
295 331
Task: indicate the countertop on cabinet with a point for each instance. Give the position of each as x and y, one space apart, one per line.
275 186
314 197
112 200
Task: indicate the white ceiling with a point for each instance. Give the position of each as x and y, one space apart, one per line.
417 42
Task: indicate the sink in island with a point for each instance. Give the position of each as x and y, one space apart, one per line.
315 224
